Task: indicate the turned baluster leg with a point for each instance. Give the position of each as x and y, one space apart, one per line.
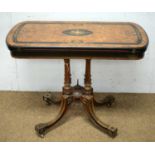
88 102
87 80
67 80
43 128
48 98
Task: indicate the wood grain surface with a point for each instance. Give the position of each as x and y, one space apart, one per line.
77 36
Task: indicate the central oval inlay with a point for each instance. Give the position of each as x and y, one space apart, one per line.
77 32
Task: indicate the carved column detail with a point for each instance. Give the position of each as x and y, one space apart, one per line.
67 77
87 80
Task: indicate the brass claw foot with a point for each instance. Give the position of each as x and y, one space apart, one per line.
88 103
107 101
43 128
112 132
49 99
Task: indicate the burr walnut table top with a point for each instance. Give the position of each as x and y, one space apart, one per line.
77 40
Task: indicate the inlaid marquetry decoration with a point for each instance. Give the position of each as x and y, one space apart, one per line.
77 32
77 39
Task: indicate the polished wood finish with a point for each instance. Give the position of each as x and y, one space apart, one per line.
67 80
86 40
43 128
84 94
108 40
87 80
88 103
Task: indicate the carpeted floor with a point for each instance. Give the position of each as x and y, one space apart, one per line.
132 114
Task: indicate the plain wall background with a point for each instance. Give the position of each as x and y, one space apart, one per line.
107 75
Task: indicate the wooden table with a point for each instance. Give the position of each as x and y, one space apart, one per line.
84 40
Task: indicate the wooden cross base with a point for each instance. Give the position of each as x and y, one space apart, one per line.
84 94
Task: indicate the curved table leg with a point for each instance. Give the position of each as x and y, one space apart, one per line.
88 103
43 128
50 100
107 101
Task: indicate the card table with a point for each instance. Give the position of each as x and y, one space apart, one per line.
77 40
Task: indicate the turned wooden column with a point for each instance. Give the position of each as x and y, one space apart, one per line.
67 77
87 80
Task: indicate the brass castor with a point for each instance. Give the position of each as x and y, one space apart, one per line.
49 99
107 101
